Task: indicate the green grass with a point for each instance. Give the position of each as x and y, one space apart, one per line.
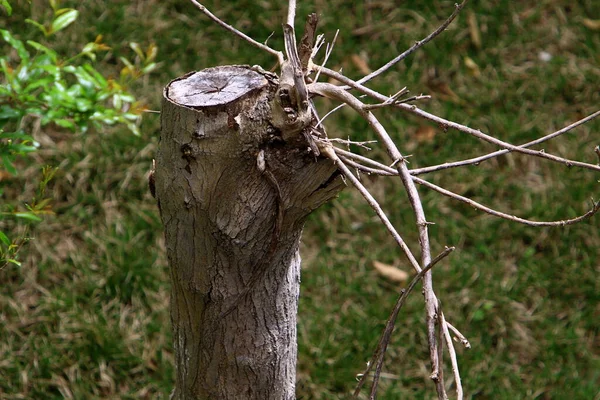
86 316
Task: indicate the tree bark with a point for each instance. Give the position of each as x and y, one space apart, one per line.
234 189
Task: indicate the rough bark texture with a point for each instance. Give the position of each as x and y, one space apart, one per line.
226 219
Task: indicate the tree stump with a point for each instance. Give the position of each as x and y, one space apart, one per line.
234 190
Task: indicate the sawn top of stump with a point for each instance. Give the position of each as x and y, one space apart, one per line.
214 86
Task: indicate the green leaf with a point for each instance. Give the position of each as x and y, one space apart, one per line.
4 238
40 47
138 50
7 112
6 5
97 75
7 71
13 261
65 123
16 44
65 19
149 68
127 63
19 135
41 27
117 101
151 52
8 165
44 82
133 128
27 215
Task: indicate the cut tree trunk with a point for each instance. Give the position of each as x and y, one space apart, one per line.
234 189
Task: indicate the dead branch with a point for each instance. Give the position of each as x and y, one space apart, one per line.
477 160
453 360
474 204
332 91
327 150
242 35
462 128
381 169
416 46
379 353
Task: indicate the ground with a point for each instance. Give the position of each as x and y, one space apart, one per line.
86 316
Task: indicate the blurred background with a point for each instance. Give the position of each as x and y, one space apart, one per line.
86 315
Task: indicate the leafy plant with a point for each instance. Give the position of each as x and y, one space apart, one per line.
39 84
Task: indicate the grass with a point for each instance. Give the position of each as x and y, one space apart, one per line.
86 316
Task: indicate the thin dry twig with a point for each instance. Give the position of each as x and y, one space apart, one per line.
291 12
462 128
459 336
327 150
453 360
438 374
416 46
490 139
332 91
320 121
477 160
378 354
381 169
242 35
328 52
348 142
365 169
391 100
595 208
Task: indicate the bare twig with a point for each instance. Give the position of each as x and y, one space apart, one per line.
292 54
381 169
378 354
327 150
348 142
438 373
230 28
597 151
365 169
291 13
308 40
477 160
320 121
490 139
333 91
416 46
453 360
328 52
391 100
463 340
462 128
474 204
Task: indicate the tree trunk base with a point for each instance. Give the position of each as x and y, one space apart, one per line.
234 191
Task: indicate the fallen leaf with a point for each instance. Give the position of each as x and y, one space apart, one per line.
360 63
474 30
593 24
425 133
4 175
390 272
472 66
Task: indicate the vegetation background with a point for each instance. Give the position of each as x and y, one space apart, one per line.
86 316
